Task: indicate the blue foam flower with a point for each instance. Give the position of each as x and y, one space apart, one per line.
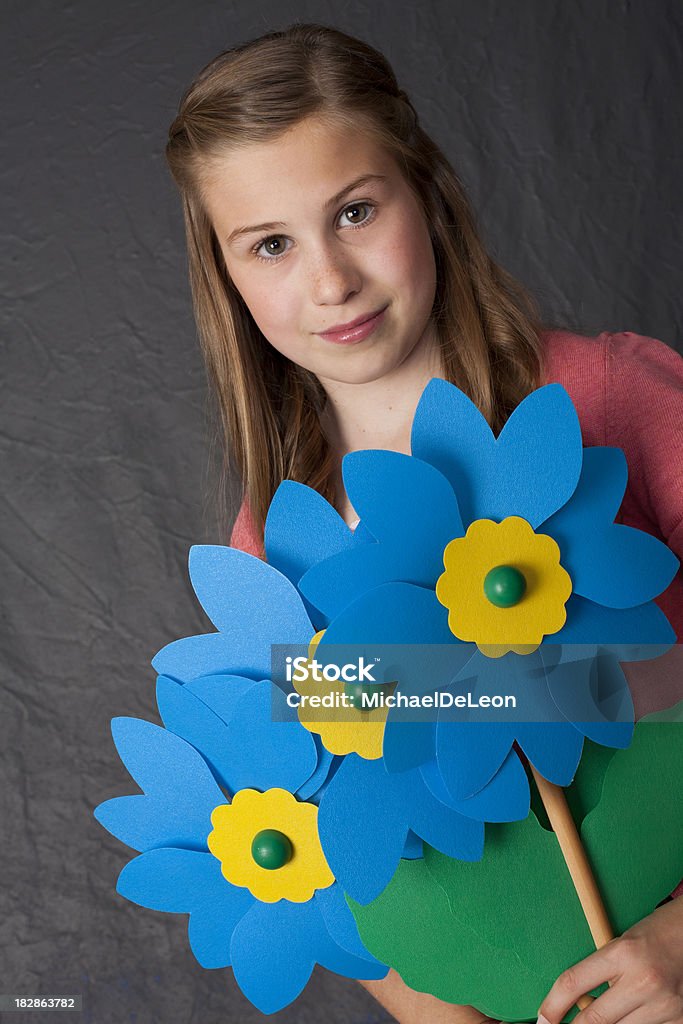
459 477
197 768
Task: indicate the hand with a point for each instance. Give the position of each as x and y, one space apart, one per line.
644 968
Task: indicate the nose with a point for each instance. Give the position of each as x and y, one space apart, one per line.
333 276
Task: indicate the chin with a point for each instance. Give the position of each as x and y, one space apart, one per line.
364 369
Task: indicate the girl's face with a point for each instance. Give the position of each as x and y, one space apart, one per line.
311 247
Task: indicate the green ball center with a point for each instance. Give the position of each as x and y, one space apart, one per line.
504 586
355 691
271 849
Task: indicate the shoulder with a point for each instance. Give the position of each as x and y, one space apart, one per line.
628 392
618 381
578 358
244 534
579 363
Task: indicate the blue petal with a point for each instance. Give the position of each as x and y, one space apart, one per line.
397 613
190 718
413 848
405 615
188 882
628 632
275 947
598 494
411 543
438 823
530 471
240 592
610 564
362 821
451 434
541 466
361 535
591 691
470 746
411 548
470 753
614 718
335 763
212 654
310 788
302 528
255 749
267 752
180 790
340 922
504 798
407 744
407 505
554 749
337 582
221 693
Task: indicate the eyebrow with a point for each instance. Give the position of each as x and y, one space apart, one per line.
365 179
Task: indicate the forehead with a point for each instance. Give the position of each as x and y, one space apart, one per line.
309 162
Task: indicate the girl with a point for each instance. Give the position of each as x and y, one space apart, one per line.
335 269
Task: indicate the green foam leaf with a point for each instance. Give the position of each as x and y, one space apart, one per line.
634 837
496 933
411 923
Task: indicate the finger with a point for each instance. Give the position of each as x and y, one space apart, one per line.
647 1015
574 982
612 1007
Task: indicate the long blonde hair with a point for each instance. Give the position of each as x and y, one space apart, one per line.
488 326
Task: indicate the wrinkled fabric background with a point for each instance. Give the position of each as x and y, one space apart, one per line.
564 120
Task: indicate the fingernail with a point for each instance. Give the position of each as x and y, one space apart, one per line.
542 1020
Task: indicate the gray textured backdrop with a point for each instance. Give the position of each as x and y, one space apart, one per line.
563 121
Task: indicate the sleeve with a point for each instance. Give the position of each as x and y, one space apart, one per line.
244 533
644 403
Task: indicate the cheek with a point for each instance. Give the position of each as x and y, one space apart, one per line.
407 258
269 302
419 285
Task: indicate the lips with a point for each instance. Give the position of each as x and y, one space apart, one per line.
354 330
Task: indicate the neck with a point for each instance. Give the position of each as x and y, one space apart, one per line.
379 413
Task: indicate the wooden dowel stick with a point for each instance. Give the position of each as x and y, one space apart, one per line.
559 815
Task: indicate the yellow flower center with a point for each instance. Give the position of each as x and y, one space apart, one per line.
504 587
342 729
268 843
